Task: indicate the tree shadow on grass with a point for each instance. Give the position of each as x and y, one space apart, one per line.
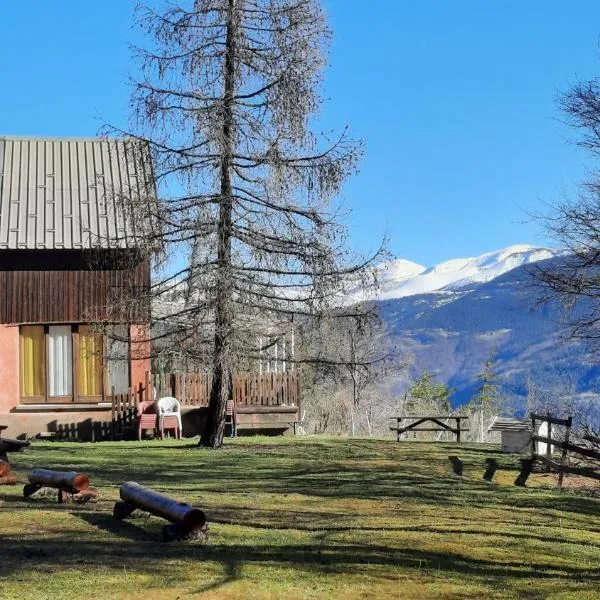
109 524
313 521
75 550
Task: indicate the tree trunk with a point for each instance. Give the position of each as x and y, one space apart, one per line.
221 390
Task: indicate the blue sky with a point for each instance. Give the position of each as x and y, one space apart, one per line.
455 102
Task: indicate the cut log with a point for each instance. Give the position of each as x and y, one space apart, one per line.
10 445
4 468
68 481
186 517
87 495
8 479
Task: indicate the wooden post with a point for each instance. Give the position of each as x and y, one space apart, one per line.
563 458
492 467
148 384
457 465
113 427
457 430
549 438
526 468
533 434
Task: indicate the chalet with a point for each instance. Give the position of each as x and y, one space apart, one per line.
68 248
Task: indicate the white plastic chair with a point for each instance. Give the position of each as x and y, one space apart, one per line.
169 407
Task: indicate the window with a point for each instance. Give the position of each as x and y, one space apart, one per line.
33 361
65 363
60 360
90 362
118 359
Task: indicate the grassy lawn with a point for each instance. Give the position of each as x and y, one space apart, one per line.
302 518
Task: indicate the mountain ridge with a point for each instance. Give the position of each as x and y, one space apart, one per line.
451 330
400 278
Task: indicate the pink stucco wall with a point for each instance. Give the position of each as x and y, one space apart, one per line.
140 354
9 367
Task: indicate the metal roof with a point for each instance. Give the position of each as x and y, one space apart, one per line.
71 193
508 424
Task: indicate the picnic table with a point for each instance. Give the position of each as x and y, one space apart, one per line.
436 420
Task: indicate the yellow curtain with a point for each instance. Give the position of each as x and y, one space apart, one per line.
33 361
90 363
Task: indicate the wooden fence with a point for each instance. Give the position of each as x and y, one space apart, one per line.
124 412
561 442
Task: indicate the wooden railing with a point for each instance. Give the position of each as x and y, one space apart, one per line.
193 389
124 412
249 389
268 389
561 441
124 406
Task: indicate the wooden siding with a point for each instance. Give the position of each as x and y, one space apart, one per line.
64 296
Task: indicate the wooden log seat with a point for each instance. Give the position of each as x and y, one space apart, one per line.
187 522
7 477
70 486
8 445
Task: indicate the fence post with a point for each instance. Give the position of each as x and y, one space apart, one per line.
147 378
548 438
533 433
563 458
113 414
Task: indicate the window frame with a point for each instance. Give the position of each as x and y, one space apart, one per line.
75 397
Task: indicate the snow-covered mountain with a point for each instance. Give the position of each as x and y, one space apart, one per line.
450 317
401 278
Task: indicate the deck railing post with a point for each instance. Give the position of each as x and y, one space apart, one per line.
113 414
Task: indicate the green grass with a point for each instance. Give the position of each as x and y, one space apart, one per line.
302 518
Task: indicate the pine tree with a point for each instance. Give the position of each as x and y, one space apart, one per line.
488 398
430 394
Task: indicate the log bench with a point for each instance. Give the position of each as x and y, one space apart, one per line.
186 521
7 477
9 445
70 486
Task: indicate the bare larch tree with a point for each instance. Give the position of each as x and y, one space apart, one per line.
226 92
574 278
